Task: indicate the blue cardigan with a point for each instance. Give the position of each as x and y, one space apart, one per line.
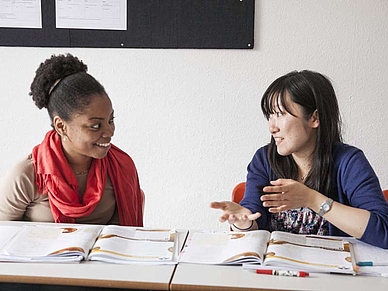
356 183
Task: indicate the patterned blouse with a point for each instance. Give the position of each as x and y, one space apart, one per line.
301 221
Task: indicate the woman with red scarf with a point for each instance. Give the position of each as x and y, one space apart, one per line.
75 175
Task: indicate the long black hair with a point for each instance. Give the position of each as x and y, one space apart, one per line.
313 92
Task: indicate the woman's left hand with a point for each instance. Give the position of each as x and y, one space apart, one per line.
285 194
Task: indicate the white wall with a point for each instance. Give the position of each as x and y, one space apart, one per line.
191 119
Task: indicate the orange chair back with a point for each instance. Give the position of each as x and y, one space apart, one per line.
238 192
385 192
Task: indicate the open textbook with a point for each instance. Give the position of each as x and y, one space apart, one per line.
282 249
74 243
371 260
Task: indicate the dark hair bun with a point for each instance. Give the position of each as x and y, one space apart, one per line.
49 73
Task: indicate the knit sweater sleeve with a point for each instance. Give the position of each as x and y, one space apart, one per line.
258 176
358 186
17 190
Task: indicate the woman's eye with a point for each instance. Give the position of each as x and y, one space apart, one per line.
278 113
112 120
96 126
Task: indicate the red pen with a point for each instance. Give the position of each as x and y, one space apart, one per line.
283 273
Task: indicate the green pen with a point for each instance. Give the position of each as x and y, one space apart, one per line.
370 264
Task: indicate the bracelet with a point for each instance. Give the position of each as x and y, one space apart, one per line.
243 228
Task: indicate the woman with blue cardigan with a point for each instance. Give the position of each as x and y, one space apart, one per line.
306 180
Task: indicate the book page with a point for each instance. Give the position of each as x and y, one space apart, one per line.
7 232
130 245
41 242
308 258
371 260
308 240
368 253
225 247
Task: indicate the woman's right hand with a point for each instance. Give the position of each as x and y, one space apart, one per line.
235 214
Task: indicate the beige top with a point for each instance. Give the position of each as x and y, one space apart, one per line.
20 200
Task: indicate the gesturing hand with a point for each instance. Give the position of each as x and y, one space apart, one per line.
285 194
235 214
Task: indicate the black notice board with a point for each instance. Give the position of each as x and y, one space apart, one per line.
223 24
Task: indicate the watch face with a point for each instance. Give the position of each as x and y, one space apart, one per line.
325 207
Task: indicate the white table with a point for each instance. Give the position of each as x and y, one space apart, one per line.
93 274
213 277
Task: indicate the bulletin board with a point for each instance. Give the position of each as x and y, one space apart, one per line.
202 24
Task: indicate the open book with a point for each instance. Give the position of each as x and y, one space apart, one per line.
281 249
74 243
371 260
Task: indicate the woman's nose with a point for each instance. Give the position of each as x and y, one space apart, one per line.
109 130
272 125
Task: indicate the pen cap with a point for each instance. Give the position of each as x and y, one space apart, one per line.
267 272
303 274
365 264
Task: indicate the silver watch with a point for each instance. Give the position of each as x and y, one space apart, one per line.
325 207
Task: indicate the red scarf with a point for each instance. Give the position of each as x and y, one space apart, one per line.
55 177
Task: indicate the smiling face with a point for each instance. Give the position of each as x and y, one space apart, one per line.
88 134
293 133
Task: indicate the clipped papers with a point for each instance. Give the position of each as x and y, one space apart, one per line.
21 14
97 14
